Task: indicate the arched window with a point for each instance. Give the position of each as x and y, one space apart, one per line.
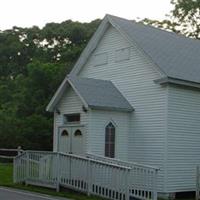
110 140
78 133
64 133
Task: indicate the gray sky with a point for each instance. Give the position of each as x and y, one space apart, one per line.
26 13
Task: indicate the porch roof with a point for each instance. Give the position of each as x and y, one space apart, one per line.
94 93
100 94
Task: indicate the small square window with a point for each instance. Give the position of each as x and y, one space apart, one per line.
72 118
122 54
100 59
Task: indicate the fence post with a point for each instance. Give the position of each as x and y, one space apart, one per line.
155 192
89 178
58 172
127 174
14 171
197 182
27 167
19 149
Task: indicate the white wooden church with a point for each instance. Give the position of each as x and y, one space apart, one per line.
133 95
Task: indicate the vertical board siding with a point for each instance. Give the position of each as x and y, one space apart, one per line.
134 78
183 138
69 103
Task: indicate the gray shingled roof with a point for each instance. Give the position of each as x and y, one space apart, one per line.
177 56
100 94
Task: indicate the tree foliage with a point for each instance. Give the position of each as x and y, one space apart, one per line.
187 14
33 62
184 18
165 24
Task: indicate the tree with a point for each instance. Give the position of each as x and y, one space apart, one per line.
33 62
166 24
184 19
187 14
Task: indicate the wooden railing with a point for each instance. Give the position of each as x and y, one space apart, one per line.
142 180
95 176
5 153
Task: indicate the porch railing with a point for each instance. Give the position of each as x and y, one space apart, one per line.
142 180
90 175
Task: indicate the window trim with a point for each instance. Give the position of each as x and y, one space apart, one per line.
65 121
64 133
110 142
79 133
117 54
96 64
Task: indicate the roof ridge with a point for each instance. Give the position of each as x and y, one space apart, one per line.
155 28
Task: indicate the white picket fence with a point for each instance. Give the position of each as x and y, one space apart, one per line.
109 178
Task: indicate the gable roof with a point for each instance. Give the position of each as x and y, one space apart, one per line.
176 56
96 94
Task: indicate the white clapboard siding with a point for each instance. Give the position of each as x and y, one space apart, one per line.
183 138
134 78
98 121
69 103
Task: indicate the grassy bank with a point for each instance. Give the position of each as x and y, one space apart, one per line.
6 180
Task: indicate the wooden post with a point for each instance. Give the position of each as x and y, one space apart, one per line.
155 192
197 182
89 178
58 173
14 171
27 167
127 174
19 149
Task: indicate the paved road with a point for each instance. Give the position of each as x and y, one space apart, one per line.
11 194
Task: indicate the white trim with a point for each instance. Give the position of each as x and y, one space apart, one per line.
165 164
90 46
166 80
59 93
112 121
55 96
116 138
76 91
71 125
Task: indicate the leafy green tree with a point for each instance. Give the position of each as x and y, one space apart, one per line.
33 62
183 19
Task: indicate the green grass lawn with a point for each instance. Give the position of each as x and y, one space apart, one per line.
6 171
6 179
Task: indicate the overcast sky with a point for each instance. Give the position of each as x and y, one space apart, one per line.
26 13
